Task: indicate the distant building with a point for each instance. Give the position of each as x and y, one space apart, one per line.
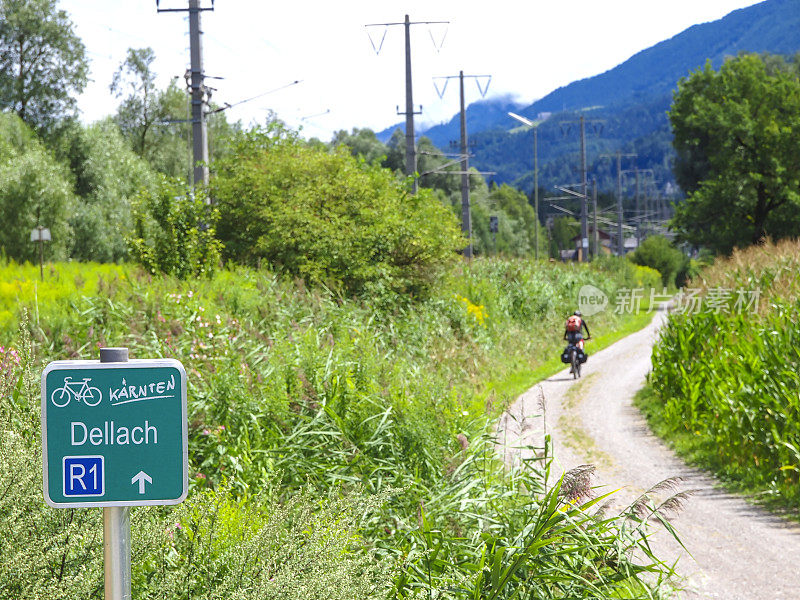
629 244
603 237
569 255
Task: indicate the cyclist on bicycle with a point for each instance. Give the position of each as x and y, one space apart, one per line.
573 330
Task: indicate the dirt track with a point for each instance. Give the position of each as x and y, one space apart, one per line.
738 551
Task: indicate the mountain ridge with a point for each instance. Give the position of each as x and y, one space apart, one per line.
647 80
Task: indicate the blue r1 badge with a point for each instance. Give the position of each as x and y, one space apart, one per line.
84 476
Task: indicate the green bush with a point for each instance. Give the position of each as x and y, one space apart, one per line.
174 231
306 548
329 218
34 189
658 253
627 274
107 176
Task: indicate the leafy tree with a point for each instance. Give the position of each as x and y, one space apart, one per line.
439 172
511 238
396 152
658 253
145 113
329 218
174 231
515 205
363 143
135 81
154 121
564 229
107 176
42 62
221 133
34 189
737 131
168 143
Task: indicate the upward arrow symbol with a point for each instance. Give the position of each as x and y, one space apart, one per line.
141 478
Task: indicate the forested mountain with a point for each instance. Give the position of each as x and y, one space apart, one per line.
625 107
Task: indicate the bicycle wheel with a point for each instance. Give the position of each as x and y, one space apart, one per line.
61 397
92 396
576 364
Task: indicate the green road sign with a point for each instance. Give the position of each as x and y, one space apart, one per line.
114 434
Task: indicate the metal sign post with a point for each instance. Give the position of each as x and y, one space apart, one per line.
41 234
114 435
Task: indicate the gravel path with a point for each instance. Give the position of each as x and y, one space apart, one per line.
737 551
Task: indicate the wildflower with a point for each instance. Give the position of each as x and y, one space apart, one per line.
200 476
476 311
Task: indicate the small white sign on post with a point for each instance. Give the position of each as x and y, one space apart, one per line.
40 234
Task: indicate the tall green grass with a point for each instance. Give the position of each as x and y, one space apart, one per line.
294 391
727 375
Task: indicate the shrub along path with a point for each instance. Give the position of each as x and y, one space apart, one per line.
733 550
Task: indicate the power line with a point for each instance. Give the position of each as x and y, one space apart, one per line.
277 89
620 241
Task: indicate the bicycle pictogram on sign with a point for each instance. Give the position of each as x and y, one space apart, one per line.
80 390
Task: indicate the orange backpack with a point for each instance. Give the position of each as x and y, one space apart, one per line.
574 323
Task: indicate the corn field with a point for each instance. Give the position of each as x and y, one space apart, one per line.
727 370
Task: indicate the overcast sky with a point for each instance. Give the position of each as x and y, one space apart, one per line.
529 49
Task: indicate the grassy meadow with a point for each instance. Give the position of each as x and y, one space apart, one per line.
339 448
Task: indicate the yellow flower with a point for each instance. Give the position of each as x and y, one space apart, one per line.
476 311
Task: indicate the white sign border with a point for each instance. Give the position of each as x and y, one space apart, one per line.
136 363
